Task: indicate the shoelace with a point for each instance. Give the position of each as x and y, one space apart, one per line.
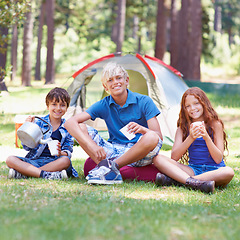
100 171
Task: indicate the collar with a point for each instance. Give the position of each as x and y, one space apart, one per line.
131 99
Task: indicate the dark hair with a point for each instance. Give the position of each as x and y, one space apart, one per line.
59 94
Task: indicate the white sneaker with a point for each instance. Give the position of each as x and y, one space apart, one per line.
15 174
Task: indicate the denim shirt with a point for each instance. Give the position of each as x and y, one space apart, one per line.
66 142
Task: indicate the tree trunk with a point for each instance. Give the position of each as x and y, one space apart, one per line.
121 23
195 43
217 17
160 44
27 40
39 45
50 68
174 46
183 36
3 58
14 51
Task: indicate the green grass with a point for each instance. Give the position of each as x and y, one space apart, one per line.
71 209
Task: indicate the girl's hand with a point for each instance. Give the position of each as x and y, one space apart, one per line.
196 130
136 128
203 131
30 119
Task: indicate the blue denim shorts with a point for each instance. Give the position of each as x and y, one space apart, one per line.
199 169
115 150
39 162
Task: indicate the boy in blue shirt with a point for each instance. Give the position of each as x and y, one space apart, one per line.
137 112
38 161
121 108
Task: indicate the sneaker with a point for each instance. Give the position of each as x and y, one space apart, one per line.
15 174
91 173
106 175
94 171
56 175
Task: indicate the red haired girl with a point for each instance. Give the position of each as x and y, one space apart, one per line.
200 140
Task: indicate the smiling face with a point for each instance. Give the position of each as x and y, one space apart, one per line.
194 108
57 108
116 85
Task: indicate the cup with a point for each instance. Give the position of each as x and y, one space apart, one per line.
125 132
53 147
198 123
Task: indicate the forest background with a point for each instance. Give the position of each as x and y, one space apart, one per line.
39 39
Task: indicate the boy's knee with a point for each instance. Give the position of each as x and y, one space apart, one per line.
10 160
151 138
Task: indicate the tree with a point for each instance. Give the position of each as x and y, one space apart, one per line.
183 35
121 14
27 41
50 68
195 43
3 57
160 44
14 51
39 45
11 12
174 46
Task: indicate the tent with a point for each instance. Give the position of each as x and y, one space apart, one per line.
148 75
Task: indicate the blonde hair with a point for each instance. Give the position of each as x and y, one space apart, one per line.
113 69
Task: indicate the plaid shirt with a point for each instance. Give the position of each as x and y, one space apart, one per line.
66 141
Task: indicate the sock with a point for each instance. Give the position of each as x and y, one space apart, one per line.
43 174
117 166
104 163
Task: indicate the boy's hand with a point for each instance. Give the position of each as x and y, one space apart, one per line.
136 128
30 119
97 153
59 149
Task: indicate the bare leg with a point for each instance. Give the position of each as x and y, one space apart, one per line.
221 176
173 169
26 169
139 150
57 165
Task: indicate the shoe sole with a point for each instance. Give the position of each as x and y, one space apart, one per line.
104 182
64 174
11 173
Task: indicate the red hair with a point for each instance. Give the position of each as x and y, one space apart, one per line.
209 116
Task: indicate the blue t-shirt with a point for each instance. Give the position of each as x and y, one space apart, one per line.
199 154
138 108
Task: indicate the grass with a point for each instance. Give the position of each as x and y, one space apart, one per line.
71 209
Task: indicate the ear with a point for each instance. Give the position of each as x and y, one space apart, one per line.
105 87
127 81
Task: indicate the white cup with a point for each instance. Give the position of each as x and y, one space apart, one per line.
198 123
53 147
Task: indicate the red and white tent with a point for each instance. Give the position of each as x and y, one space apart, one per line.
147 75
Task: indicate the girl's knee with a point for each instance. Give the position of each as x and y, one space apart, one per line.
229 172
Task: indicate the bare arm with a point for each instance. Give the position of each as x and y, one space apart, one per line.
96 152
179 146
153 125
215 148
